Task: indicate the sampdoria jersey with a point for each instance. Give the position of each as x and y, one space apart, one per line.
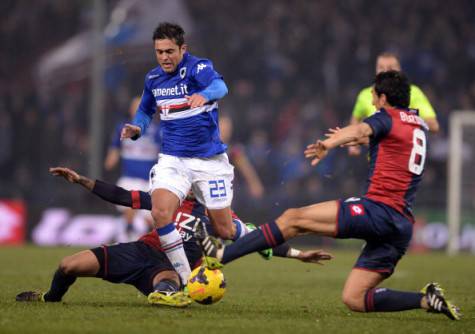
397 157
186 132
364 104
138 157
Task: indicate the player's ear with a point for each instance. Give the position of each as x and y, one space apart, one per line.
183 48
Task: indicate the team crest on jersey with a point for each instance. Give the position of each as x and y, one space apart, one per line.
201 67
357 209
182 72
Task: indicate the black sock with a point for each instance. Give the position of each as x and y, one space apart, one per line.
386 300
59 286
266 236
166 285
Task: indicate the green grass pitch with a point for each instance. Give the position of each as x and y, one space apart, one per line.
277 296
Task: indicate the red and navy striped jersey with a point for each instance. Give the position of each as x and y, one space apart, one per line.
398 149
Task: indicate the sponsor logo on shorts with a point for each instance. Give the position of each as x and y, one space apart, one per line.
357 210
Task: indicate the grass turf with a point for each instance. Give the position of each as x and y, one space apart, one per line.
277 296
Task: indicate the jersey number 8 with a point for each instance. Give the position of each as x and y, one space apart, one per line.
418 153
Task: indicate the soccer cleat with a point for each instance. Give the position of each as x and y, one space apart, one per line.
266 254
437 303
169 298
30 296
211 263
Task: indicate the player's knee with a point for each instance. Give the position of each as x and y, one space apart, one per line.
162 216
68 266
353 301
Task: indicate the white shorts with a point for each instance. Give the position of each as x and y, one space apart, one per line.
210 179
133 183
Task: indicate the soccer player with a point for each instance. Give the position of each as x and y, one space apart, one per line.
185 90
382 217
137 159
142 263
364 108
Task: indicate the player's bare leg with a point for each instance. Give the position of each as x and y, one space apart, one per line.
318 219
222 222
164 205
356 286
82 264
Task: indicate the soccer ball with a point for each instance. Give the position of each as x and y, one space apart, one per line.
206 286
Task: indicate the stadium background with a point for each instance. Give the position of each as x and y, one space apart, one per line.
293 70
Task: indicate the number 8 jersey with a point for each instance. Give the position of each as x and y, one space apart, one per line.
397 151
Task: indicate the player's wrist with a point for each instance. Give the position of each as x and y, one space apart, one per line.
294 253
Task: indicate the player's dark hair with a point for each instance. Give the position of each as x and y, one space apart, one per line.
387 54
170 31
395 85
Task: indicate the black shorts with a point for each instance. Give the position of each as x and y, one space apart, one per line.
134 263
386 231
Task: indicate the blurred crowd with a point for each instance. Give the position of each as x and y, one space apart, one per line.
293 69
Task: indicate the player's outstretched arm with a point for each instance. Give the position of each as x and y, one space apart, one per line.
347 135
313 256
108 192
73 177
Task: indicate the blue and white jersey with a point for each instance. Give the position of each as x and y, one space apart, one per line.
138 157
186 132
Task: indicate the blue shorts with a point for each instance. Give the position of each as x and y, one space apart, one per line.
386 231
134 263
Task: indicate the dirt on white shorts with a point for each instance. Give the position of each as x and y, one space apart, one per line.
210 179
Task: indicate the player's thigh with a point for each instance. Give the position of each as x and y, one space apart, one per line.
171 174
318 218
358 282
212 181
84 263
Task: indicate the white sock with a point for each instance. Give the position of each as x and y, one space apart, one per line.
241 229
172 245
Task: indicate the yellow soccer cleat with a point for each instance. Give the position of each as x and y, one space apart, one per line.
169 298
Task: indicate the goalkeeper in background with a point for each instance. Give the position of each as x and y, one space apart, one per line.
364 108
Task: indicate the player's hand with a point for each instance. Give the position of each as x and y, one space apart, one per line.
316 152
354 150
332 131
129 131
314 256
196 100
67 173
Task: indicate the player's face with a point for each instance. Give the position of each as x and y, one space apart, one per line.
384 64
378 101
168 54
